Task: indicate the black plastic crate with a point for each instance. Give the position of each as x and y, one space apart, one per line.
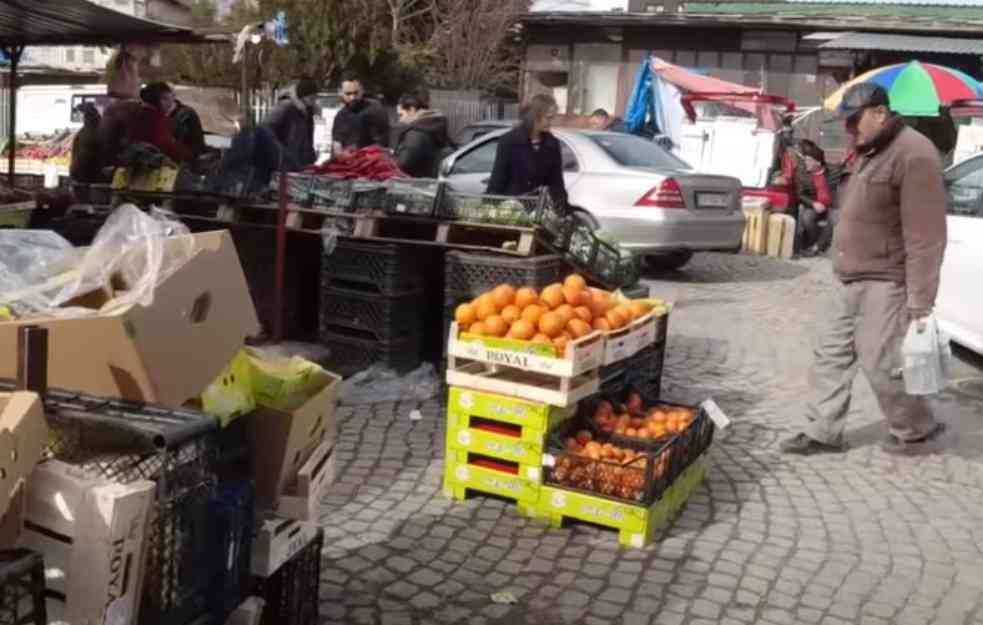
387 268
638 291
182 559
291 594
524 211
354 352
125 441
331 192
468 275
386 317
367 196
417 197
604 262
232 518
22 588
299 187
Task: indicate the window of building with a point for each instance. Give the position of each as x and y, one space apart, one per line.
70 55
655 7
89 57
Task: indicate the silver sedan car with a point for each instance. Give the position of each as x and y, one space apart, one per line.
652 201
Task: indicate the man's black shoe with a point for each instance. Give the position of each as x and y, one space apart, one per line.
803 445
897 446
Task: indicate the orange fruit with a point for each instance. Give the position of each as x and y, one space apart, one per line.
579 328
602 324
511 314
486 309
503 295
572 295
543 339
551 324
485 298
532 313
526 297
639 309
614 317
583 312
586 299
552 296
496 326
600 303
465 315
561 341
522 330
566 312
625 311
575 281
477 329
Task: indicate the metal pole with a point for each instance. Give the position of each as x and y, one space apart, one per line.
14 53
244 86
281 257
32 359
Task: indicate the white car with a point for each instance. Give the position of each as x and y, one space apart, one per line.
960 301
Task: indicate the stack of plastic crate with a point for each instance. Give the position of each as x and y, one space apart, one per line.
22 588
287 572
371 295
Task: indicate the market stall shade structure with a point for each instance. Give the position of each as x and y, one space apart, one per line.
916 89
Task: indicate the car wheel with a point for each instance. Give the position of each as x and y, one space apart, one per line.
668 262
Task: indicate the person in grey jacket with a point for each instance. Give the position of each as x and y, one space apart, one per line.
292 123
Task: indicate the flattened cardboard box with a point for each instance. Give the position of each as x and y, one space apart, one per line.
167 353
23 434
282 442
91 533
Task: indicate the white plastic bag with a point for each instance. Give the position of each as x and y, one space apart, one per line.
925 352
131 254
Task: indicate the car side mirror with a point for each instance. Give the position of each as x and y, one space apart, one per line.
446 166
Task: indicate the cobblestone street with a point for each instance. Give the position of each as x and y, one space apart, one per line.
860 538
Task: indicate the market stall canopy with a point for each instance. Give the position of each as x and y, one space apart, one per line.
915 89
80 22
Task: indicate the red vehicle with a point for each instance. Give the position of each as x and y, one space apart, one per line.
742 135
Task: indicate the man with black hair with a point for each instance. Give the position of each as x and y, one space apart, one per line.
602 120
361 122
292 124
422 141
154 127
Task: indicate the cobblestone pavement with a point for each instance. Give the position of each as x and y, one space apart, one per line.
861 538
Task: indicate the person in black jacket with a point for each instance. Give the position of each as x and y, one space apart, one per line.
528 157
292 123
361 122
422 142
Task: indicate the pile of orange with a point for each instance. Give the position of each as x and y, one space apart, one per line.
558 314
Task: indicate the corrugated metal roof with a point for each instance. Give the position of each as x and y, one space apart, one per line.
905 43
578 6
933 3
829 9
58 22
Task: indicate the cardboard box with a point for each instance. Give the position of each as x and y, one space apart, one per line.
277 541
167 353
302 499
23 434
281 441
91 534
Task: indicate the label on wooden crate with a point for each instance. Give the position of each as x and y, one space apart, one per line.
721 420
582 355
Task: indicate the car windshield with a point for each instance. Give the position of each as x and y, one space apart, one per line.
632 151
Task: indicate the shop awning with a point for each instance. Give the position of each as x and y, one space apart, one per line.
79 22
905 43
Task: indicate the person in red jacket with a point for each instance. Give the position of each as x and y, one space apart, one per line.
815 200
155 127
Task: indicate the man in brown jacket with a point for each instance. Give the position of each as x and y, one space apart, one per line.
887 255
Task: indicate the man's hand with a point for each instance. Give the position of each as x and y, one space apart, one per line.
819 207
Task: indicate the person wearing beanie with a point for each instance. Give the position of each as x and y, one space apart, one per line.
361 122
291 122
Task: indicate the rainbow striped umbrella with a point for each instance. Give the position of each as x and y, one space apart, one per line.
916 89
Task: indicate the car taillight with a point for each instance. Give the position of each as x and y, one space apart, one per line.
666 195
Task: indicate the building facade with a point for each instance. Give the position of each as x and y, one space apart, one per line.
89 58
588 58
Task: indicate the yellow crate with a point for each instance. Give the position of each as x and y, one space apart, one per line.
637 525
526 448
534 416
461 477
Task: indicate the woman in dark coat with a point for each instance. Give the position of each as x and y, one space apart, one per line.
529 157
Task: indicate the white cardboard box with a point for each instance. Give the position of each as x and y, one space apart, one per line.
277 541
91 533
